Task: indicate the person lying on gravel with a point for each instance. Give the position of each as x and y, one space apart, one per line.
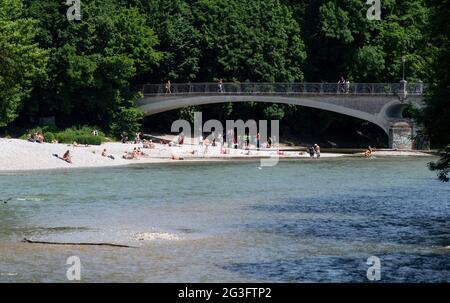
66 157
105 155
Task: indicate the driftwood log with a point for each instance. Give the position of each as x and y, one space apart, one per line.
25 240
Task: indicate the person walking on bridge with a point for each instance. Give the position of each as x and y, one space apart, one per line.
341 85
220 86
168 87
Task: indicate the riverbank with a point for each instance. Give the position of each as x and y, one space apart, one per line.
21 155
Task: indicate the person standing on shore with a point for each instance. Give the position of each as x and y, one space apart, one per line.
200 139
317 150
206 145
311 152
181 138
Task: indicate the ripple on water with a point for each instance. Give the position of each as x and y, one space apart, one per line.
32 199
396 267
153 236
361 218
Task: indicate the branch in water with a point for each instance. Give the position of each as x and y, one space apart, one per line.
25 240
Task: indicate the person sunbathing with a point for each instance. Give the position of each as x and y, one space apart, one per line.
66 157
176 157
39 137
105 155
127 156
147 144
135 154
31 138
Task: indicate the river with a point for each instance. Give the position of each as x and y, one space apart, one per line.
300 221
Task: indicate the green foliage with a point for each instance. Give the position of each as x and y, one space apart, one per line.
369 64
436 116
21 60
187 113
81 135
49 137
249 40
94 63
442 166
340 40
274 112
335 22
126 121
179 39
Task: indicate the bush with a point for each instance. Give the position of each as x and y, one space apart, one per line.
126 121
80 135
49 137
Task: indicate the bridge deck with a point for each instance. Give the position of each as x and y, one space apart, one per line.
247 88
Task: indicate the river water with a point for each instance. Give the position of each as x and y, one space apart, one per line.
299 221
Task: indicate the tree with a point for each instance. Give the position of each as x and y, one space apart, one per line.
436 115
21 59
179 39
442 166
95 64
248 40
341 41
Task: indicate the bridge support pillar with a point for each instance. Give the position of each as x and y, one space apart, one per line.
405 135
401 135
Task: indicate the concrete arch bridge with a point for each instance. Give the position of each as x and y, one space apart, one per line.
379 103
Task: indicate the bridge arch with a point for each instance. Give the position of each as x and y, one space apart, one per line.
171 103
381 104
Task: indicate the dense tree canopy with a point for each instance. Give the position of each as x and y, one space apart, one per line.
436 116
21 59
93 62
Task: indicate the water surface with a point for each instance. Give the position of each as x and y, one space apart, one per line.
300 221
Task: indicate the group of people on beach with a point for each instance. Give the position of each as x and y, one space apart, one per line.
314 150
37 137
245 141
135 154
148 144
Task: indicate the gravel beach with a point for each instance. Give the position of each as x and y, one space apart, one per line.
18 155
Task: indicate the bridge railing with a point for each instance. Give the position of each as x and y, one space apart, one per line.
250 88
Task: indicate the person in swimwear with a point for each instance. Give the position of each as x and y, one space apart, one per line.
67 157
